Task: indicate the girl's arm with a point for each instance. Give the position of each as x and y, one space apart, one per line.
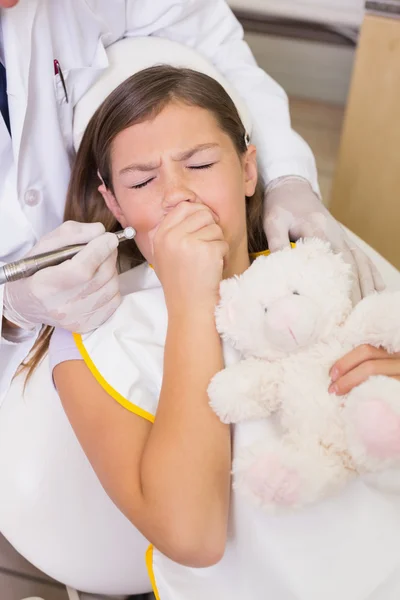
171 479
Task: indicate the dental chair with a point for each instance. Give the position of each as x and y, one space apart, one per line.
53 509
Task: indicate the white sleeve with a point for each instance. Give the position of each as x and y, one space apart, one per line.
126 354
210 27
127 361
11 354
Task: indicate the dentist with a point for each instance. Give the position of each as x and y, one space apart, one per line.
50 54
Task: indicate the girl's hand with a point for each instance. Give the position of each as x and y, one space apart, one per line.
189 250
359 364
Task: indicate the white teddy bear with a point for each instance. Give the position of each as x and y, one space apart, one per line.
291 317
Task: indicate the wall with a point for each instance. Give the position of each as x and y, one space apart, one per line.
313 70
345 12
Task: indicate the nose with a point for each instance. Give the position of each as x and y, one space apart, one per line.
177 191
283 315
293 317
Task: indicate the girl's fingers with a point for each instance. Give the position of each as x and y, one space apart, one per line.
387 366
182 212
356 357
210 233
175 217
222 247
196 221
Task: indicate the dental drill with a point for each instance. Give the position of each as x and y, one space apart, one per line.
32 264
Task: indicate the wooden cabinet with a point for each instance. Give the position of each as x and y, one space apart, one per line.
366 187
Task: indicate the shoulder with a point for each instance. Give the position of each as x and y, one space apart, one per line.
125 354
62 348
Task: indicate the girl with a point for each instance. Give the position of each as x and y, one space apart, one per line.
167 154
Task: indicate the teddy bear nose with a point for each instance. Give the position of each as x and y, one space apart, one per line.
291 322
283 314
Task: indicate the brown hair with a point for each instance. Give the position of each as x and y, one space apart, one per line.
141 97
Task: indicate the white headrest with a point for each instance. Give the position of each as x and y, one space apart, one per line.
130 55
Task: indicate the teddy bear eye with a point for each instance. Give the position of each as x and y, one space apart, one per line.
295 293
265 309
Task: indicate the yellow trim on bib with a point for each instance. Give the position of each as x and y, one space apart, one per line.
106 386
149 565
255 255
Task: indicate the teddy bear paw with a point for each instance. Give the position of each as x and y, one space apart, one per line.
270 482
372 418
227 398
378 427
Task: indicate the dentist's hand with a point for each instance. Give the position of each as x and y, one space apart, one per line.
293 211
78 295
189 251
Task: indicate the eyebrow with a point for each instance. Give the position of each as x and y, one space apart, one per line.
182 156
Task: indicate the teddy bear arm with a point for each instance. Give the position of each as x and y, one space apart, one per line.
247 390
376 321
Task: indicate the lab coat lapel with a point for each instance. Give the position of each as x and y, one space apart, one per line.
17 31
5 150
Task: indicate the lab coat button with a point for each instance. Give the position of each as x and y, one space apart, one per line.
32 197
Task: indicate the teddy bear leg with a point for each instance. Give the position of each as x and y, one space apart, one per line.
372 420
276 475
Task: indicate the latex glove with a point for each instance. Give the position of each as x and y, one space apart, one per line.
292 211
79 294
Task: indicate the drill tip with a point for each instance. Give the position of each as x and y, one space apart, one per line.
129 233
126 234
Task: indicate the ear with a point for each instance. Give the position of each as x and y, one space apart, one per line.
250 170
225 313
112 203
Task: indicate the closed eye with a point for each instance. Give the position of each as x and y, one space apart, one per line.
140 185
195 167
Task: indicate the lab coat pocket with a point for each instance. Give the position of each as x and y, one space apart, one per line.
71 84
64 110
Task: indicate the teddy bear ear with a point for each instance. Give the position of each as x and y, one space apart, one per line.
226 310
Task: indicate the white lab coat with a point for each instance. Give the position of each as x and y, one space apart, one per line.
35 163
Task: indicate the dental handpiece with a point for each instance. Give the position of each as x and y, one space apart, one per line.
32 264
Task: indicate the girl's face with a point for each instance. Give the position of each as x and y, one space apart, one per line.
181 155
